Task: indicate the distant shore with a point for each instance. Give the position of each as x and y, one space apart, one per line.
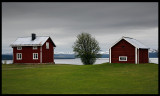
77 61
70 56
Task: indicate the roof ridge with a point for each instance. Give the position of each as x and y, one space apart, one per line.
136 43
36 36
128 37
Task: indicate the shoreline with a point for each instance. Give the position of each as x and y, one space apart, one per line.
77 61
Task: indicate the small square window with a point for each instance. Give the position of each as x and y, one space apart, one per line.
34 47
122 58
19 48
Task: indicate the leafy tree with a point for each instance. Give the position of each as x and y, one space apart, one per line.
87 48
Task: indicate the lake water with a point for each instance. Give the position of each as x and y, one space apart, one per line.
77 61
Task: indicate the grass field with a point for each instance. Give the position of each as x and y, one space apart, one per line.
80 79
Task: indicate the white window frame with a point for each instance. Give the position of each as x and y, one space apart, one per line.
34 56
19 47
122 56
19 56
35 48
47 45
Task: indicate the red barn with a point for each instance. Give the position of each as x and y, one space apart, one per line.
128 50
33 50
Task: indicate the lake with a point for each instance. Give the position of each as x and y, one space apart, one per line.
77 61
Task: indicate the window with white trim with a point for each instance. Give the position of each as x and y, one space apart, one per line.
47 45
35 56
122 58
34 47
19 48
19 56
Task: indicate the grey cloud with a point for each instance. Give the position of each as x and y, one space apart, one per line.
63 21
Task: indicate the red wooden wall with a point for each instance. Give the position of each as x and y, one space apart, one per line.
47 54
143 56
27 54
123 48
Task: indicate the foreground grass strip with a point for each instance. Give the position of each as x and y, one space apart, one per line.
80 79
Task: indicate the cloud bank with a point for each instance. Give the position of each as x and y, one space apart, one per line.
106 21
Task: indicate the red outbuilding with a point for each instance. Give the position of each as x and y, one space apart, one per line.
128 50
33 49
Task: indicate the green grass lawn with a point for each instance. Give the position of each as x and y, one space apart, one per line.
80 79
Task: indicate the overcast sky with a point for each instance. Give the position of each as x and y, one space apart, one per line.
106 21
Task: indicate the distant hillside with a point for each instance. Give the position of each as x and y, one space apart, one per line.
64 56
7 57
72 56
105 56
153 55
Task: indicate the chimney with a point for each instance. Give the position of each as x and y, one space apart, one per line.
33 36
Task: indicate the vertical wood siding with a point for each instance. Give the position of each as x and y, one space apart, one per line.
123 48
47 54
143 56
27 54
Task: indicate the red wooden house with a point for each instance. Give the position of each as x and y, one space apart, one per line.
128 50
33 50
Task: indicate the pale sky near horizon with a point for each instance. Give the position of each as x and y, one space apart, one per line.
106 21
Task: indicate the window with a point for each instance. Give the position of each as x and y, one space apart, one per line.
35 55
19 48
47 45
34 47
19 56
122 58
